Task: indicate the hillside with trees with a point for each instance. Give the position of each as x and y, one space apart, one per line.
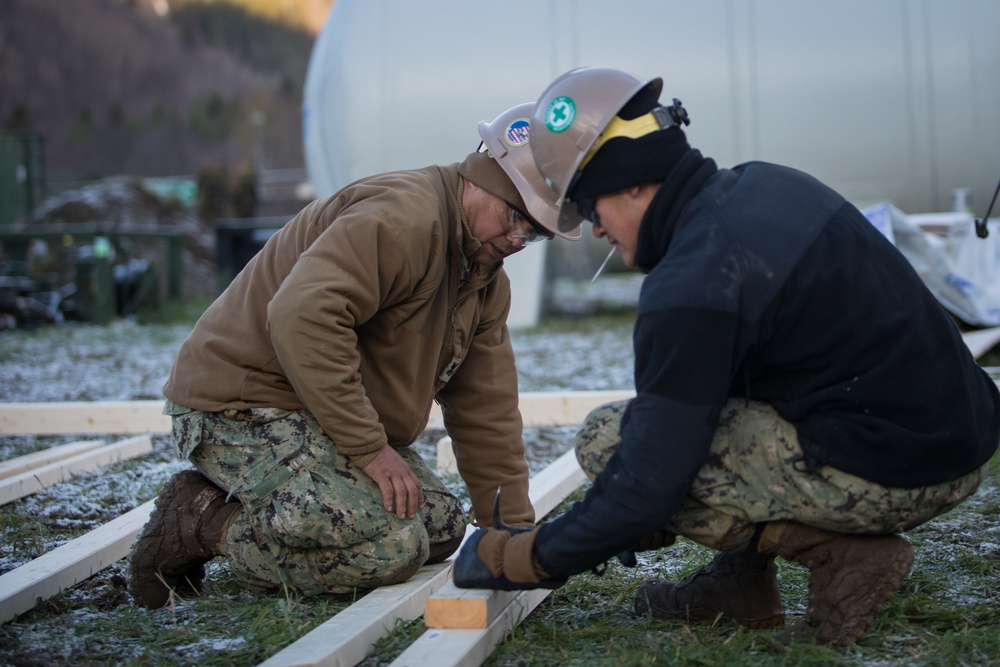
157 87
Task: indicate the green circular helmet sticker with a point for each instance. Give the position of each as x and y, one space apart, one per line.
560 114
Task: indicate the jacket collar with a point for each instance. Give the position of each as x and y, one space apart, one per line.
467 246
682 184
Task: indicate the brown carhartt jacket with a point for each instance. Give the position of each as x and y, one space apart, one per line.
364 309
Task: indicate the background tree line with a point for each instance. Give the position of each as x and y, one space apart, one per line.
120 86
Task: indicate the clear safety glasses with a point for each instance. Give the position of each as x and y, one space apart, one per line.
524 228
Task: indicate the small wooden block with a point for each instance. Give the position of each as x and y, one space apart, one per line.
454 607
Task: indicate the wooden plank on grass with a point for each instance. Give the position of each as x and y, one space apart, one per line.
35 479
469 648
446 461
347 637
19 464
564 408
454 607
82 417
551 408
22 588
550 486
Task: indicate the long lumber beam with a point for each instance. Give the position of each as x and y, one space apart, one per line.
19 464
564 408
84 417
469 648
454 607
65 566
35 479
346 638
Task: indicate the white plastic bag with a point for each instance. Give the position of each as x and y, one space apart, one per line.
960 269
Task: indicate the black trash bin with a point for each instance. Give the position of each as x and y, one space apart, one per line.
237 240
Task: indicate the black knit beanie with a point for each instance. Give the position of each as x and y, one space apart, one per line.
623 162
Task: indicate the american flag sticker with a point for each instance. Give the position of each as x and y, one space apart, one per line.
517 132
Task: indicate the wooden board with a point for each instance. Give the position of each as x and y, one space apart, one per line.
454 607
537 409
20 464
550 486
22 588
80 417
34 479
446 461
565 408
469 648
546 408
347 638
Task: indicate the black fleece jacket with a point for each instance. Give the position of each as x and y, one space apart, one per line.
765 284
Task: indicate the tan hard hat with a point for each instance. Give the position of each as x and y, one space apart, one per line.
507 140
569 118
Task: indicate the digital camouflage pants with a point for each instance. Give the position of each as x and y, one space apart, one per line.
312 520
756 473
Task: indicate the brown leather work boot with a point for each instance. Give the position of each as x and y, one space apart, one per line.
851 577
186 529
740 587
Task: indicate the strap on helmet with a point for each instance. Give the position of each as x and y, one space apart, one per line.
660 118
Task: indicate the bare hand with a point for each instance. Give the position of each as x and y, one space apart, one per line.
402 492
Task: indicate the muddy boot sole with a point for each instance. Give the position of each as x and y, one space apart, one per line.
158 563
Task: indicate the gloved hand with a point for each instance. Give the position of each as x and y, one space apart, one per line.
495 558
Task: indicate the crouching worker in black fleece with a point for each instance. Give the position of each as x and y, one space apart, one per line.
799 391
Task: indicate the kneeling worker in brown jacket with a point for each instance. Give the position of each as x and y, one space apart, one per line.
298 391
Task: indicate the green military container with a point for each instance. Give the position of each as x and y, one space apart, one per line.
22 175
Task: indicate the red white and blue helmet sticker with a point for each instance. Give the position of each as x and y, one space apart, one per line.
517 132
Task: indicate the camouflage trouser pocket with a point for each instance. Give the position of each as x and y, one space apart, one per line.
287 473
316 507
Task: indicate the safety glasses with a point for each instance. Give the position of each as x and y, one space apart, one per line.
524 228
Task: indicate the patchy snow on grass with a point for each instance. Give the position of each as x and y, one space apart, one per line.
128 361
80 362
